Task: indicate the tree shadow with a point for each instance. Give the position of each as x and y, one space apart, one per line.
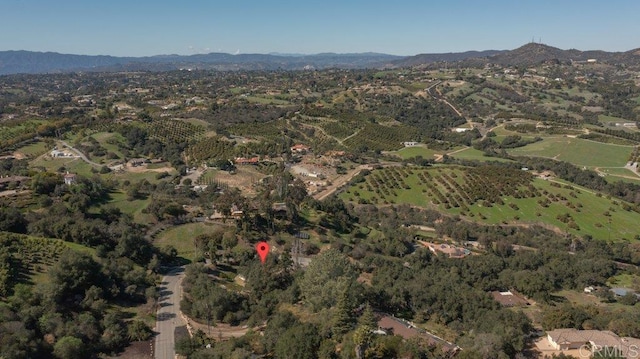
165 316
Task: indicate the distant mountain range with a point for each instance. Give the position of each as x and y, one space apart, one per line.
13 62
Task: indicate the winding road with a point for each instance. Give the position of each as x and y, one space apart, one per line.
168 315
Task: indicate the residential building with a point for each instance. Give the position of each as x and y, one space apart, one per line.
70 178
247 161
299 148
595 340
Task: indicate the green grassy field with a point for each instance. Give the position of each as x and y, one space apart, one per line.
605 119
133 208
620 174
577 151
502 132
181 238
409 152
266 100
476 155
572 209
625 280
33 150
104 138
73 165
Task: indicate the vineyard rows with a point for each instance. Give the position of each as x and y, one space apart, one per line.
209 149
340 129
376 137
175 131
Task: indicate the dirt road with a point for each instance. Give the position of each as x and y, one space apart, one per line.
339 182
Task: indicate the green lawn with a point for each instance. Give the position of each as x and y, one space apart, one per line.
181 238
133 208
578 151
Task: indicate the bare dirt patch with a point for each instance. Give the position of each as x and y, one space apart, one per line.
142 169
244 179
13 193
137 350
219 331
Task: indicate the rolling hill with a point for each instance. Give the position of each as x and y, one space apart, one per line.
526 55
12 62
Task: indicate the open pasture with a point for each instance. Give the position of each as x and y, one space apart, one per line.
577 151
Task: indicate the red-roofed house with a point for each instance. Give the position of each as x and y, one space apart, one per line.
247 161
300 148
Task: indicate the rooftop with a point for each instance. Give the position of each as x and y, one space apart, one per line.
510 298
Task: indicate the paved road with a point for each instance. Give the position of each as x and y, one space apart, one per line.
81 155
168 315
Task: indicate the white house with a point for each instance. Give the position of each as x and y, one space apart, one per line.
70 178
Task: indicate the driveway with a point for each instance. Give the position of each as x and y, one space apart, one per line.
168 315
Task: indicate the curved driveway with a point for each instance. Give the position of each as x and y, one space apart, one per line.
81 155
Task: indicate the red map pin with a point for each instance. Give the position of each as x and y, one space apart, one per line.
263 250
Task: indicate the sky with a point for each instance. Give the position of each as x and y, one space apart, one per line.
400 27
